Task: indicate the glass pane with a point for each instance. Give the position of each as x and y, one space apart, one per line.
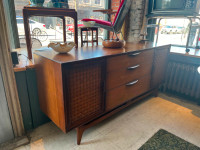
20 21
194 34
50 29
169 4
173 31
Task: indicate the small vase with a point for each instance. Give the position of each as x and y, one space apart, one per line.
37 3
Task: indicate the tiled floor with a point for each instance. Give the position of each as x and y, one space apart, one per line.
127 130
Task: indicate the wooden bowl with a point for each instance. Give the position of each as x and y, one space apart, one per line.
113 43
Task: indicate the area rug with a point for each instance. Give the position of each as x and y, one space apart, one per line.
164 140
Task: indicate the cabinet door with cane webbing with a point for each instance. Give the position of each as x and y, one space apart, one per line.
84 85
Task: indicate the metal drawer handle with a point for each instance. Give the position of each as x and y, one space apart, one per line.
132 83
134 54
134 67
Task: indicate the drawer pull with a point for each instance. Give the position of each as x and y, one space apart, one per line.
134 67
132 83
134 54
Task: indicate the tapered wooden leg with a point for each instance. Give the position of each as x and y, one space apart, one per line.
81 38
79 132
76 30
87 37
64 30
92 39
97 36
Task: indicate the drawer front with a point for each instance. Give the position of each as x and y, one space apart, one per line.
123 61
124 93
117 78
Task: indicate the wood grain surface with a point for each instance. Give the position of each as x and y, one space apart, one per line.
89 82
86 53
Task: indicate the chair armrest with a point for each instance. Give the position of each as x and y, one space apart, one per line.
106 11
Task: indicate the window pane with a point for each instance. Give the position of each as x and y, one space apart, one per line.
50 29
31 22
20 21
173 31
194 39
86 1
97 2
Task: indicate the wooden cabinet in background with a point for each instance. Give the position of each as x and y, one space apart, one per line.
85 86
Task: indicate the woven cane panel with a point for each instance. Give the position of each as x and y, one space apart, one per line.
85 91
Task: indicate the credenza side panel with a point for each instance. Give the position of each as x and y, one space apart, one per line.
159 66
84 91
50 90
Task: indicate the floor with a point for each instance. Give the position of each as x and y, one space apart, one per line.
127 130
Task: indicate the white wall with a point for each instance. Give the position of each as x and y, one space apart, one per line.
6 132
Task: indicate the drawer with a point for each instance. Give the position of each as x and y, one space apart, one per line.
123 61
120 77
122 94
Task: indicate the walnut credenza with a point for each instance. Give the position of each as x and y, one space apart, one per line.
87 85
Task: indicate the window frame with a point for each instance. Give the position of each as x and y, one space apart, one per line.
100 4
107 5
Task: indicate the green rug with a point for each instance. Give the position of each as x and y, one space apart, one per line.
164 140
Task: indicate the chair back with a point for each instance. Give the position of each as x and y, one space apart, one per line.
121 14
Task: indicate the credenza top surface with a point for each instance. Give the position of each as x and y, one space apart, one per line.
85 53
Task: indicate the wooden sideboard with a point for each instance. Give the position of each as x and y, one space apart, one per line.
89 84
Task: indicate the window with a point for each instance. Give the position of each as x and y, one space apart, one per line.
32 22
97 2
49 29
173 31
84 1
20 21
